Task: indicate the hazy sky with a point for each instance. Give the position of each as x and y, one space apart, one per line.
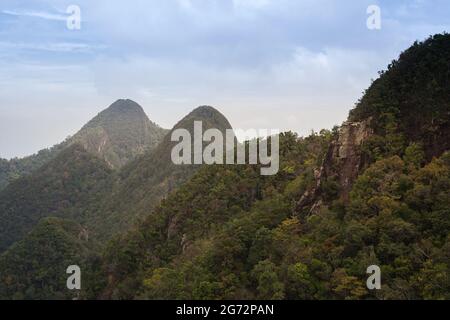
285 64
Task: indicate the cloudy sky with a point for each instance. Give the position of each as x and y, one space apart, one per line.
285 64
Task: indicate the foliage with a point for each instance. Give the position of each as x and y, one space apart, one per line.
409 102
35 267
226 232
62 188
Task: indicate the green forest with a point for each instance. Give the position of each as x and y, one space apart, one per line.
374 191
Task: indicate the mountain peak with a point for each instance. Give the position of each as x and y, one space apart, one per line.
210 116
117 135
118 111
120 133
124 105
205 111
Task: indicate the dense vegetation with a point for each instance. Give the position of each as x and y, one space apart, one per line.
145 181
226 232
13 169
410 102
35 267
81 188
231 234
64 188
188 221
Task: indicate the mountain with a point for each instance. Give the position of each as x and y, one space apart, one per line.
117 135
215 200
370 192
79 185
144 182
80 188
406 110
64 187
377 194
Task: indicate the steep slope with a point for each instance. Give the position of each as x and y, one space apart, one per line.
377 199
64 187
397 218
120 133
202 208
410 101
35 267
81 187
148 179
407 109
117 135
369 194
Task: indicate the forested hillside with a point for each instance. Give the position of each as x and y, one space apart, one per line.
375 191
144 182
231 234
202 210
13 169
64 187
409 103
35 267
82 189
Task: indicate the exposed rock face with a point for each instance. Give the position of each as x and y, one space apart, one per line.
343 163
344 159
119 134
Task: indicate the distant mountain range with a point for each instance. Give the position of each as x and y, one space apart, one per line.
374 191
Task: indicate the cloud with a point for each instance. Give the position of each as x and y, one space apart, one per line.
286 64
53 47
255 4
37 14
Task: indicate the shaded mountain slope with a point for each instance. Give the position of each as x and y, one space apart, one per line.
35 267
78 185
64 187
13 169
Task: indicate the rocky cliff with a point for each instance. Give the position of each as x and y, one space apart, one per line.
341 166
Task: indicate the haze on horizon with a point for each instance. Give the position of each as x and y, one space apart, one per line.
282 64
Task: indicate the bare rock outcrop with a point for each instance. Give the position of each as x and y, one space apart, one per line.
342 163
